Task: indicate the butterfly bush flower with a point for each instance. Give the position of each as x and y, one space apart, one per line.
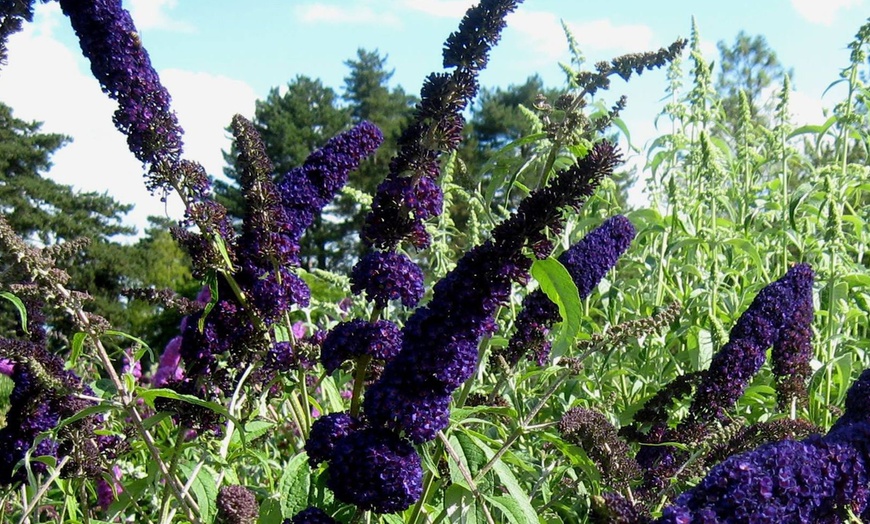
793 350
410 194
770 316
386 276
44 393
237 505
587 261
592 431
325 434
380 340
375 470
276 217
109 40
440 340
311 515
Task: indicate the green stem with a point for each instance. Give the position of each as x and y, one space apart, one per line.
522 427
173 464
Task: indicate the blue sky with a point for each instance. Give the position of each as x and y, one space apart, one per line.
218 56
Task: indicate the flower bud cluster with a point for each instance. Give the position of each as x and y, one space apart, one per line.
410 193
587 261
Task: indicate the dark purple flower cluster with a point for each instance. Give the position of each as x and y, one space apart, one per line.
109 40
440 341
587 261
375 470
386 276
785 482
793 348
237 505
24 422
44 394
380 340
813 480
769 318
325 433
306 190
410 194
276 217
311 515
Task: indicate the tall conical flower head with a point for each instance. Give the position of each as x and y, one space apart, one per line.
793 348
440 340
306 190
109 40
813 480
587 261
767 321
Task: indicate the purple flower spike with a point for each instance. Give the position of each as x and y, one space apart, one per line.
386 276
109 40
764 323
587 262
381 340
325 434
376 470
792 348
440 340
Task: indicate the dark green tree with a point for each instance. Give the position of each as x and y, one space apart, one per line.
38 208
44 213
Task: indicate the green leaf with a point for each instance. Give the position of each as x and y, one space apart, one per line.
510 482
294 485
137 340
204 490
470 455
78 343
460 505
498 176
19 305
150 394
270 512
556 283
252 431
87 412
509 507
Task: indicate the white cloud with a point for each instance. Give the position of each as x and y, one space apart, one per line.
205 104
823 12
804 109
153 14
543 32
346 14
62 94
